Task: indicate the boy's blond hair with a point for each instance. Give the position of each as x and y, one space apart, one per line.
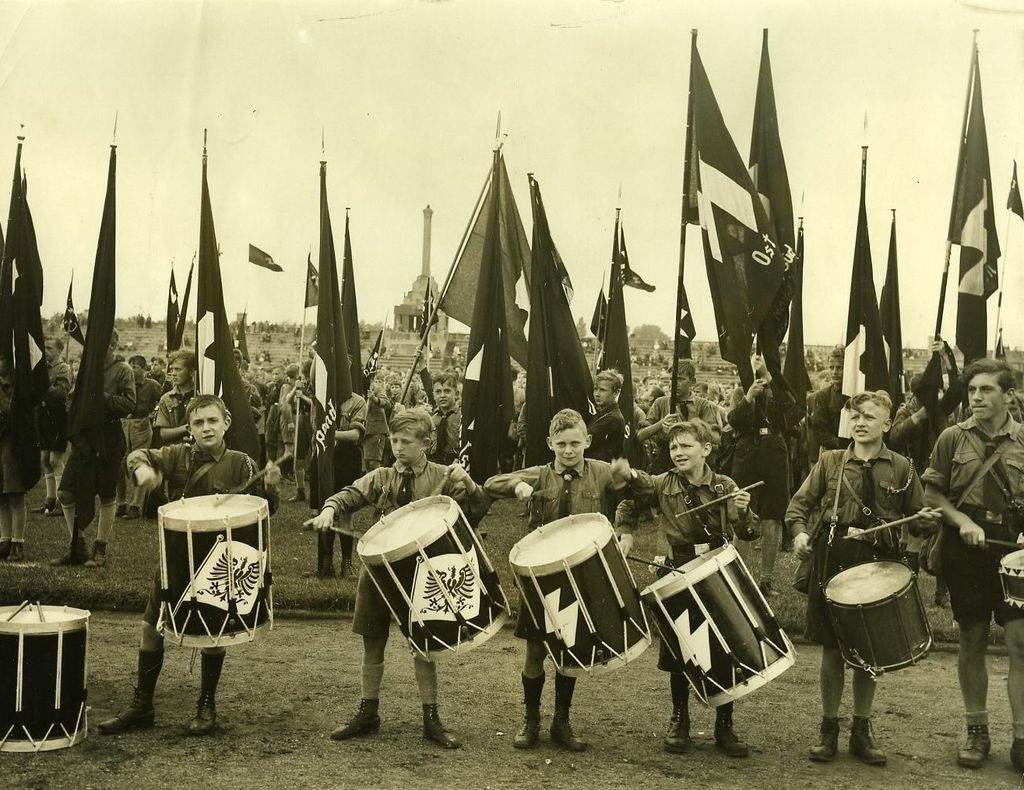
879 398
698 429
566 420
415 420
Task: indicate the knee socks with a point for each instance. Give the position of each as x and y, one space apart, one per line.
370 679
106 522
426 680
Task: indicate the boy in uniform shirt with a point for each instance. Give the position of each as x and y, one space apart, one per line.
206 467
687 485
447 418
569 485
387 488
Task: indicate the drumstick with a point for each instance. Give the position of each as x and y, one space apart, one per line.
39 611
720 499
17 611
1008 544
886 525
258 476
652 563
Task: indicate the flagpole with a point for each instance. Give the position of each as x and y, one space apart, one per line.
601 329
687 175
1002 278
959 166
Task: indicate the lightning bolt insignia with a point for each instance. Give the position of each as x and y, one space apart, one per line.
698 641
567 618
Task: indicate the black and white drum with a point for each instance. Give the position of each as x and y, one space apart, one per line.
1011 576
434 575
44 657
717 624
579 591
215 570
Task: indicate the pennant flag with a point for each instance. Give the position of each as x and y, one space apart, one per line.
865 366
616 353
745 269
427 312
1013 261
685 330
70 321
21 332
179 332
350 311
1000 348
770 179
889 314
795 370
312 282
260 258
629 277
972 226
600 317
173 313
557 374
240 341
85 417
513 251
373 361
487 407
217 373
332 377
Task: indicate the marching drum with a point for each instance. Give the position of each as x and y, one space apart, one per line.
44 654
878 616
1011 575
718 625
435 577
215 570
578 590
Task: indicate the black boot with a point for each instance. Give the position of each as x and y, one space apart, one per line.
561 730
828 745
17 551
140 713
677 739
324 550
365 722
77 555
975 751
346 542
726 740
5 548
1017 754
205 720
434 730
862 744
99 555
529 733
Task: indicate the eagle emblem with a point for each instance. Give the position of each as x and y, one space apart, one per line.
445 586
229 573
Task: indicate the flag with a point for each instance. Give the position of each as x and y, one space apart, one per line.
1013 261
240 342
685 330
312 282
179 332
889 315
260 258
70 321
1000 348
487 407
173 312
217 373
795 370
85 417
745 269
972 226
513 251
616 352
600 317
557 373
350 311
865 367
372 361
21 332
427 312
767 166
629 277
332 377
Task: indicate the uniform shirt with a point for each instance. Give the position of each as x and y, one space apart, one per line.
352 415
147 396
60 383
118 391
695 407
671 490
170 411
767 415
454 434
377 412
179 462
915 440
897 490
955 459
607 432
828 408
592 492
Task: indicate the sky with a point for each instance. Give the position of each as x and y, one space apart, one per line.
405 95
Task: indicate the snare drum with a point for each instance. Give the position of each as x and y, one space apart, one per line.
435 577
716 623
1011 576
580 593
44 655
878 616
215 570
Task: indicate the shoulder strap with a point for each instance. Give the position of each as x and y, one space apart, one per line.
989 463
199 474
834 519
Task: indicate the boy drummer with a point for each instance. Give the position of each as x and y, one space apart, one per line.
387 488
569 485
207 467
689 484
863 485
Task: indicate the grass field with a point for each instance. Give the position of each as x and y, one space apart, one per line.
124 583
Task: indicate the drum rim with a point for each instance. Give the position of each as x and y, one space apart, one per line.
80 623
572 560
426 538
682 579
630 654
166 518
864 604
1019 569
785 662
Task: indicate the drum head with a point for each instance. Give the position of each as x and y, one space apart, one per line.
1014 561
213 512
868 583
41 619
570 540
394 537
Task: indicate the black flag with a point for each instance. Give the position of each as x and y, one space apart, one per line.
179 332
629 277
795 371
260 258
600 317
557 373
372 361
173 312
312 282
889 314
70 322
350 311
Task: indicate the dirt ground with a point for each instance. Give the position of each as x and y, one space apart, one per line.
281 696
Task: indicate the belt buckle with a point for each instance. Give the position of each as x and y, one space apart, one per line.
701 548
763 432
993 518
